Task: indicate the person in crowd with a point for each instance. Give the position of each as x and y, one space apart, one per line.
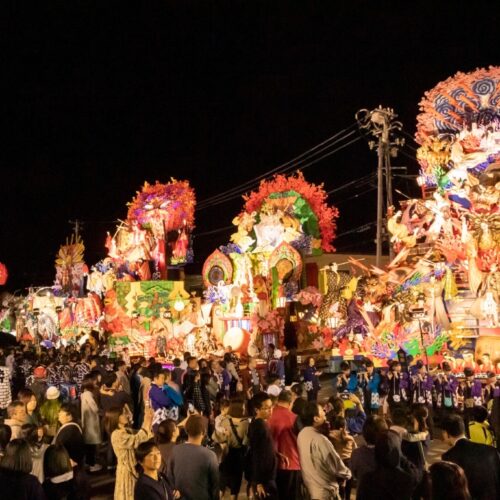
422 384
299 401
193 469
481 463
390 480
196 393
355 416
369 381
122 376
16 479
233 434
111 395
479 428
263 458
79 368
250 379
33 435
49 411
446 389
290 365
5 435
5 385
70 434
177 372
276 367
273 385
145 385
27 396
166 437
91 424
39 384
311 380
16 417
397 386
322 468
173 391
124 441
344 445
448 482
363 458
59 481
282 424
346 381
413 439
160 402
152 484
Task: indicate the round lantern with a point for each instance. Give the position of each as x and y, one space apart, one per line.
3 274
237 338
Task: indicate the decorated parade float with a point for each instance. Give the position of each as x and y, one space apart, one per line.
437 299
253 283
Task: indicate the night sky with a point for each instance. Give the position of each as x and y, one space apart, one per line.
99 96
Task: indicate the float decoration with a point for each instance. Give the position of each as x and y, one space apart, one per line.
70 266
286 209
217 268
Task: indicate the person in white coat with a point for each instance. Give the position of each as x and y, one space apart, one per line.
90 423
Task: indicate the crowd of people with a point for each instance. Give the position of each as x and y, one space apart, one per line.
199 429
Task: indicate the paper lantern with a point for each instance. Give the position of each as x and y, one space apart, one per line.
3 274
237 338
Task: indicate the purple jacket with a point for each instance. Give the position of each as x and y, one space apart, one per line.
158 398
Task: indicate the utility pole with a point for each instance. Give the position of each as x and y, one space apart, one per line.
380 124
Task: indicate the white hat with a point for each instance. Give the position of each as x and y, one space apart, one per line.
277 354
52 393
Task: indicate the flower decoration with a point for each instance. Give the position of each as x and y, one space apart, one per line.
309 296
170 205
307 201
272 322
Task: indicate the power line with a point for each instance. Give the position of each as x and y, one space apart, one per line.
289 165
301 167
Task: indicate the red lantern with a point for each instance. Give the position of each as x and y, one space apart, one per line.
3 274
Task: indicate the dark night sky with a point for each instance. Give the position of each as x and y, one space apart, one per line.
98 96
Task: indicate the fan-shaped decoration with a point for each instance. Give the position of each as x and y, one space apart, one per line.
164 207
3 274
217 268
287 262
459 128
70 266
286 209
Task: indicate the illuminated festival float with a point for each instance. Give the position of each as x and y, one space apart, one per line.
437 299
252 282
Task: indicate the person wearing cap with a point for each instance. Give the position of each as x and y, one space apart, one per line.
50 410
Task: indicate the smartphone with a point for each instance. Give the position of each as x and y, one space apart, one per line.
191 408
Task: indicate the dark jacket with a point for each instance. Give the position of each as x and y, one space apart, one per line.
70 436
66 490
394 478
20 486
263 459
147 488
481 464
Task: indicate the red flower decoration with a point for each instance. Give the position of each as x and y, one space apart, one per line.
314 194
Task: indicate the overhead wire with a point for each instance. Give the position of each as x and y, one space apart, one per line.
285 167
301 167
